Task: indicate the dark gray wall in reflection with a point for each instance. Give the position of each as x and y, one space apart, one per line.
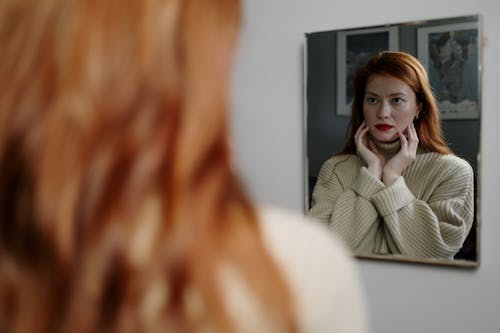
327 132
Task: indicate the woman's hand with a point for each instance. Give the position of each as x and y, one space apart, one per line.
368 151
399 162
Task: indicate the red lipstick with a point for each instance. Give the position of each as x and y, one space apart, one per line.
383 127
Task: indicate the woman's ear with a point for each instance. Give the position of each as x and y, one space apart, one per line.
419 109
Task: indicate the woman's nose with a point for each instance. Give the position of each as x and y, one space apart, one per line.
384 110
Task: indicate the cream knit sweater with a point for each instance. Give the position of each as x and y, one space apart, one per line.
426 213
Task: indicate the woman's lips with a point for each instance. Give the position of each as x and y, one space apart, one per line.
383 127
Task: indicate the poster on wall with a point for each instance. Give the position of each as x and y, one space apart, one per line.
450 55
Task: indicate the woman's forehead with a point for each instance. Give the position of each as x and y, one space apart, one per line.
387 85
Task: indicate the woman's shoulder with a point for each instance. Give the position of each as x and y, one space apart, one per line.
319 270
298 232
342 158
342 162
457 161
449 163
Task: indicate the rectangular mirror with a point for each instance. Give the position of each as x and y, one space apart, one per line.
450 51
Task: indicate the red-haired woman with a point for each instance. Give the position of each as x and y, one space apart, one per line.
396 188
119 211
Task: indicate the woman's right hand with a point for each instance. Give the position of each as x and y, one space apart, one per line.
368 152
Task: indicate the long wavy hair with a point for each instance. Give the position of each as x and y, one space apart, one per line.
408 69
118 204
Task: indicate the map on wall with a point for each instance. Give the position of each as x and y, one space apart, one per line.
450 55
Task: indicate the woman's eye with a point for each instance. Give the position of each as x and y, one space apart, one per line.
397 100
371 100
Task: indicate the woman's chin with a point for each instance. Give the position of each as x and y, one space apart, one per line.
385 138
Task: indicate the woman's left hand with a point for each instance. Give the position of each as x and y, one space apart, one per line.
399 162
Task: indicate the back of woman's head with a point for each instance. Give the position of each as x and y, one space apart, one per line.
117 201
408 69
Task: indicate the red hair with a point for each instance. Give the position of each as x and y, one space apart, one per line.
117 199
408 69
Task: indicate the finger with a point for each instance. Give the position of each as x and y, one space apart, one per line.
361 132
414 132
402 137
356 136
360 128
373 146
364 135
411 133
413 138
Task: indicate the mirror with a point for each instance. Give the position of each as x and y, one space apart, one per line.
450 51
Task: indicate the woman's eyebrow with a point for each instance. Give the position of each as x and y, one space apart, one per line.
397 93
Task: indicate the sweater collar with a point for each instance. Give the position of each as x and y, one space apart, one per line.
389 149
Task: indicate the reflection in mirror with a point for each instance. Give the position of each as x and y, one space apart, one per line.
379 171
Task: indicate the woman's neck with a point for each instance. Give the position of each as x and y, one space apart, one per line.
388 149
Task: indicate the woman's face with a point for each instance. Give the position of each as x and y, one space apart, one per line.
389 106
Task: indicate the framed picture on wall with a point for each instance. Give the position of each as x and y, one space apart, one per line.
354 48
450 53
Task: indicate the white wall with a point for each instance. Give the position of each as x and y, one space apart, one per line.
267 129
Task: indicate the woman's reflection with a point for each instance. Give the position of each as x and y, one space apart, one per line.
396 187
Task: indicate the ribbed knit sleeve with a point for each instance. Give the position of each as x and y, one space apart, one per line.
436 224
426 213
342 198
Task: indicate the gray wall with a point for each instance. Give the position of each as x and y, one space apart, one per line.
267 127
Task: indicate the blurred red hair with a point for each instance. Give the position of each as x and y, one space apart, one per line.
117 199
